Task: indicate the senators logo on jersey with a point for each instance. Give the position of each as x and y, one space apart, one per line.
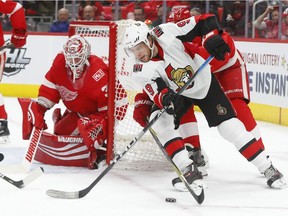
221 110
180 75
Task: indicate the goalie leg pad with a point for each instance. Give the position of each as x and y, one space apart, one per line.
62 150
56 116
66 124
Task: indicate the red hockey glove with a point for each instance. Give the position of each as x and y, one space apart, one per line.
142 108
93 130
215 45
18 37
37 112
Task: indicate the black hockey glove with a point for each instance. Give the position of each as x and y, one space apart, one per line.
173 101
167 98
177 106
216 46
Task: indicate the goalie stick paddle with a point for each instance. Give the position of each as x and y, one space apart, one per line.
199 198
27 161
82 193
36 173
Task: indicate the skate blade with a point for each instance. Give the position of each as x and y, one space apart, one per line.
4 140
196 186
279 184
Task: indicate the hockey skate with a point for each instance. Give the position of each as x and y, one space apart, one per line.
4 131
275 178
193 177
197 156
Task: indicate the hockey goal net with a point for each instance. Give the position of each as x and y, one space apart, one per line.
106 39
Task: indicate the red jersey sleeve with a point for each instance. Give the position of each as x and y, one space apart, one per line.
16 13
200 26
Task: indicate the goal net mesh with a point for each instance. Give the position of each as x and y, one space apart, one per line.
106 39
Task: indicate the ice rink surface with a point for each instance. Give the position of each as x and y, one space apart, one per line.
235 187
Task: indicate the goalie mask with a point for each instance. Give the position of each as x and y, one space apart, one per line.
76 50
135 34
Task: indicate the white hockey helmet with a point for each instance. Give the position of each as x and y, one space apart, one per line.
136 33
76 50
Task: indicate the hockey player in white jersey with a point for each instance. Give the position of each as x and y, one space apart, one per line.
164 67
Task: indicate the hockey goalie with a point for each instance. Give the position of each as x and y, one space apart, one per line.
80 80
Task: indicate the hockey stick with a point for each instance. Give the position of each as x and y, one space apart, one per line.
6 46
199 198
28 157
30 153
82 193
27 180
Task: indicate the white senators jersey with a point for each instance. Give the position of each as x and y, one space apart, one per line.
174 64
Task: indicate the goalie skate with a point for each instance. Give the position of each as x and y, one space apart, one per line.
193 177
275 178
4 132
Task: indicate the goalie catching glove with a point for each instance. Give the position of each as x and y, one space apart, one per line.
142 108
93 130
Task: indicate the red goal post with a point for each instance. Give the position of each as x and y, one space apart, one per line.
106 39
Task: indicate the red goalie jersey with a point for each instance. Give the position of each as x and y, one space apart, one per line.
82 96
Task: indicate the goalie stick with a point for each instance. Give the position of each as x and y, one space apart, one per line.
82 193
7 45
28 157
27 180
199 198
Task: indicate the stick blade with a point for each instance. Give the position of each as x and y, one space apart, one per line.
62 194
36 173
12 168
200 198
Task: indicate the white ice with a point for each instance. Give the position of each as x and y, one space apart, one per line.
235 187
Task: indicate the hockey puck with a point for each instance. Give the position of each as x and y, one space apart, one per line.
171 200
1 156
